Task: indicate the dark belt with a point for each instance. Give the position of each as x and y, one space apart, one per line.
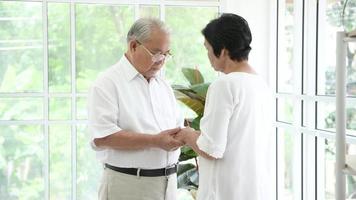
145 172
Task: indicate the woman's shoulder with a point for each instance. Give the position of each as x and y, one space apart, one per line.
239 81
221 81
225 84
234 78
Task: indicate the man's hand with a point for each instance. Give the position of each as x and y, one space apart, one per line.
187 135
166 140
190 136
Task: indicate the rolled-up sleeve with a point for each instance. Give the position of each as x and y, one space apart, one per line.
103 112
215 122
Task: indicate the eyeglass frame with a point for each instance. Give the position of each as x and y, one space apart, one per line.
157 57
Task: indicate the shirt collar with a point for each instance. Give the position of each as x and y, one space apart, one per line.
130 71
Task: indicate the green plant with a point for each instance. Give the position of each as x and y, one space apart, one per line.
193 96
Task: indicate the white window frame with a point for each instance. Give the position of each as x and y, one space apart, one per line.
46 95
309 172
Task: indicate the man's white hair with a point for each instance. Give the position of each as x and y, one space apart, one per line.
142 28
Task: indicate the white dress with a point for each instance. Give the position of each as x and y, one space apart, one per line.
237 129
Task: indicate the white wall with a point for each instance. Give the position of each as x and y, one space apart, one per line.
259 16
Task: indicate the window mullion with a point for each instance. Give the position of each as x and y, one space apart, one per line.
309 111
45 99
297 88
73 104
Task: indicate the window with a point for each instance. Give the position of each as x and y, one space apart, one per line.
305 96
49 55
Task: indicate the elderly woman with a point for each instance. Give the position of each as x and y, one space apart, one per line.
235 142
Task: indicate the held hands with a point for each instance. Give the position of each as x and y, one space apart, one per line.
187 135
172 139
167 141
190 136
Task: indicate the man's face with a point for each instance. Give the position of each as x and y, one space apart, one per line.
145 54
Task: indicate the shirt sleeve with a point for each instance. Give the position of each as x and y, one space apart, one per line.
214 125
103 112
179 117
178 114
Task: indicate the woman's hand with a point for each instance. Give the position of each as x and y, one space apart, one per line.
187 135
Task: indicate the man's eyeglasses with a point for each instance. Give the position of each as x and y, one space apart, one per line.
157 57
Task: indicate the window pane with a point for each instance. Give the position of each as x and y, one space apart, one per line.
287 167
59 71
89 169
330 22
285 69
21 162
60 162
285 110
327 115
82 108
305 116
24 108
60 108
351 180
187 42
351 63
330 171
101 39
351 117
21 47
149 11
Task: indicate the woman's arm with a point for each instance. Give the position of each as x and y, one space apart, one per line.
190 136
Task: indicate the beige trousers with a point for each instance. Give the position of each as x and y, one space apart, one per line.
119 186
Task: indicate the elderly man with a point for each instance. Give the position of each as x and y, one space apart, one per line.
133 118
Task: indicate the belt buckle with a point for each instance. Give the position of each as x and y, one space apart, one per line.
166 171
138 172
168 168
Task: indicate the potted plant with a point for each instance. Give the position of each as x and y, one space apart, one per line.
193 96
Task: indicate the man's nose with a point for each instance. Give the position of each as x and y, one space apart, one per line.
159 62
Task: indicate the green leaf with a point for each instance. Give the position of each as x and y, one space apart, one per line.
196 122
196 105
186 153
188 179
184 167
188 92
200 89
180 87
193 76
191 94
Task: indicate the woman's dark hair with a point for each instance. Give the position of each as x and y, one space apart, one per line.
230 32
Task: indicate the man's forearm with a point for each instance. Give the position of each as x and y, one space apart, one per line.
127 140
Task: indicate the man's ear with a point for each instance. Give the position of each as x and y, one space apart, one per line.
133 45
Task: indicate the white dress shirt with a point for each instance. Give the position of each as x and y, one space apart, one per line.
122 99
237 129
